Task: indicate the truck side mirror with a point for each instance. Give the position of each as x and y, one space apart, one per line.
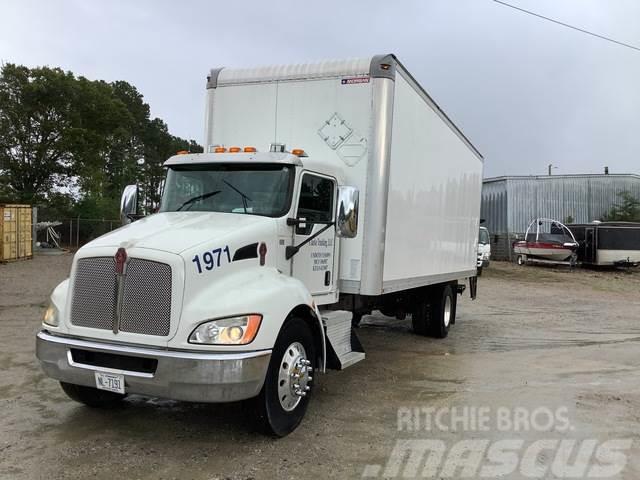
347 215
129 204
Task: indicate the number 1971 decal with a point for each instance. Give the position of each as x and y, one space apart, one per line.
211 259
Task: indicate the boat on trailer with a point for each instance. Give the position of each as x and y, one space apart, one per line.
546 240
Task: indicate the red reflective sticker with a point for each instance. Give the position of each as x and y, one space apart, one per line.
262 251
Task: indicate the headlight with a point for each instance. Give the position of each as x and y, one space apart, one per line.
486 256
51 317
227 331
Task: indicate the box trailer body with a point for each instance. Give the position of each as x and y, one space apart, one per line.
419 178
608 243
262 260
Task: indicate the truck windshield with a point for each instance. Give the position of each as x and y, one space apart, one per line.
232 188
484 236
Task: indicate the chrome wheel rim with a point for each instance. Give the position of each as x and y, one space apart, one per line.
447 310
294 376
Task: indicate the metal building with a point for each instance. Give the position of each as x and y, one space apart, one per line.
510 203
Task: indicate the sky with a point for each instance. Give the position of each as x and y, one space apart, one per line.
527 93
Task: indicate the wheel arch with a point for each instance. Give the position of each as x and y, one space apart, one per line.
314 322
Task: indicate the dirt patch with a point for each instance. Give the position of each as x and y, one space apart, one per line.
535 337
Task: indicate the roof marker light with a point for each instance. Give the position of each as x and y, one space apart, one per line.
250 150
234 149
298 152
182 152
219 150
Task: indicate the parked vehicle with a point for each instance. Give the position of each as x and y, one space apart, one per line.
608 243
249 278
484 249
546 240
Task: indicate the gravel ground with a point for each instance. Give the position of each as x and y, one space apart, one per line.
536 340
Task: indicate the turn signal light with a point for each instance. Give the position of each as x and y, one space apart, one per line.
234 149
298 152
219 150
249 149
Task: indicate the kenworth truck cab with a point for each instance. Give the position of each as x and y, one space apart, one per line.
260 263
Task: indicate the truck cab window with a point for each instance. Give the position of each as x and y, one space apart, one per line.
316 201
252 189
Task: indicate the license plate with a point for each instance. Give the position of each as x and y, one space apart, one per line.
110 382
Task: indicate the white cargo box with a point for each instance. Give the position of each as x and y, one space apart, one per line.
419 177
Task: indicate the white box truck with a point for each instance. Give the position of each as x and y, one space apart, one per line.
326 191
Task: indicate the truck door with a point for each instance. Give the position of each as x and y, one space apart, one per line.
314 263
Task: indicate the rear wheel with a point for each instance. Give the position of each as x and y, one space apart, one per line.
443 311
479 274
283 400
520 260
92 397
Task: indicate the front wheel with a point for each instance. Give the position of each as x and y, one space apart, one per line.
285 394
479 269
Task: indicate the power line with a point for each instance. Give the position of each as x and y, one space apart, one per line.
602 37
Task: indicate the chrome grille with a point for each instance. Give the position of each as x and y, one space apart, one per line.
94 295
146 296
146 303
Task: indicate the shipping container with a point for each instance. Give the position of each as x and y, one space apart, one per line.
16 240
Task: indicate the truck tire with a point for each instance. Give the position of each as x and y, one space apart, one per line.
92 397
282 402
443 311
479 274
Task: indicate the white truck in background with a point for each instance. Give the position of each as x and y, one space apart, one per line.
262 257
484 249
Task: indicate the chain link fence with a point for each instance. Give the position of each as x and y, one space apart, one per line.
73 233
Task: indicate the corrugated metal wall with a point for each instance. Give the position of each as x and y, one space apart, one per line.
493 208
510 203
583 197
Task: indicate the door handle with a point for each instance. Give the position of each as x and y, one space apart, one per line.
327 278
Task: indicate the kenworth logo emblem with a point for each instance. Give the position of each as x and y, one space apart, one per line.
121 260
121 267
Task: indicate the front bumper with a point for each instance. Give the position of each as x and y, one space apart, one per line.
177 375
482 263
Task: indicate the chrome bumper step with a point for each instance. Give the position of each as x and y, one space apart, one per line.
344 346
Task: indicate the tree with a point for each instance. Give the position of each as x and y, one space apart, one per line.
70 145
628 210
36 121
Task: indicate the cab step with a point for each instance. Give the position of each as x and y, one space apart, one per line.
343 346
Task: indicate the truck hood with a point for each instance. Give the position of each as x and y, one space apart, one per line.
176 232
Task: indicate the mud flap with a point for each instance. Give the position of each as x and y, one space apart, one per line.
473 287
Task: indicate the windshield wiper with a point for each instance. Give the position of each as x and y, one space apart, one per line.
244 197
199 197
